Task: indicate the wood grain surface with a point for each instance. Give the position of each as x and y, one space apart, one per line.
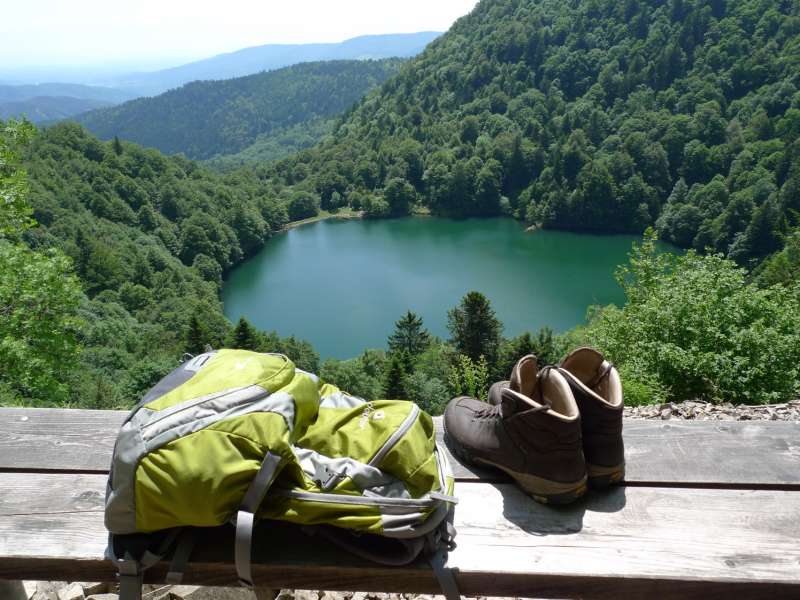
673 543
711 510
727 454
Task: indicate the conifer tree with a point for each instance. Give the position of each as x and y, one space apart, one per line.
409 336
474 328
395 374
117 146
245 336
195 337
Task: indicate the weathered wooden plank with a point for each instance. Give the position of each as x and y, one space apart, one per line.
672 543
51 439
701 454
728 454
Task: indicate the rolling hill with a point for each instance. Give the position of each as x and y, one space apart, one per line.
594 116
205 119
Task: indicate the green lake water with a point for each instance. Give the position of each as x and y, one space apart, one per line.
342 284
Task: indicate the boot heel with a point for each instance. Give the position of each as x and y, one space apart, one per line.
559 499
601 478
545 491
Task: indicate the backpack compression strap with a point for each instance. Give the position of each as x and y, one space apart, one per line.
246 516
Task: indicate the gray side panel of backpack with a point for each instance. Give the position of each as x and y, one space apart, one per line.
120 514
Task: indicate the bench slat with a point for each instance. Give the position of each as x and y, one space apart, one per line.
675 543
763 455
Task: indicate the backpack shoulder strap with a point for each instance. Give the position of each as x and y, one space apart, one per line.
245 518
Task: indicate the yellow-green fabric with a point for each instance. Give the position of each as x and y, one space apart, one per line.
229 369
358 432
193 452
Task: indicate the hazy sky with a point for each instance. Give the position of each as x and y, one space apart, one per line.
160 32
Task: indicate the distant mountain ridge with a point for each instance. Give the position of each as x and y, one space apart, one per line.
55 101
204 119
9 93
248 61
43 109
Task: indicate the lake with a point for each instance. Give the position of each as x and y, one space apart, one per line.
342 284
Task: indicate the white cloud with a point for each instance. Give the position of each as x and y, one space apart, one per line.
93 32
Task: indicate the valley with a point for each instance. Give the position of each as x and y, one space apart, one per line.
665 121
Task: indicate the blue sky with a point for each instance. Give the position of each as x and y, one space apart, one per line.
157 33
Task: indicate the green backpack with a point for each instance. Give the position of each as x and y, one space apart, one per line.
234 436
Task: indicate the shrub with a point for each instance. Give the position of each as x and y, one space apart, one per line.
694 327
470 377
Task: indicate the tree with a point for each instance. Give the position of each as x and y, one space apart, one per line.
541 345
39 301
303 205
39 294
474 328
469 377
400 195
15 211
245 336
695 326
395 374
195 336
409 336
117 146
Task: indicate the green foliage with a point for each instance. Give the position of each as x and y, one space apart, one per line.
470 377
244 336
592 115
432 395
303 205
150 238
15 211
409 336
784 266
396 372
399 195
694 327
261 116
39 294
542 345
360 376
474 328
301 352
195 337
39 299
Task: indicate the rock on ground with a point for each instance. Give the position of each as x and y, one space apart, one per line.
705 411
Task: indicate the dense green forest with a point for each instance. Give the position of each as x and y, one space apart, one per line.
682 117
594 115
205 119
148 238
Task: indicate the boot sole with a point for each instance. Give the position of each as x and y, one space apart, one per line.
544 491
603 477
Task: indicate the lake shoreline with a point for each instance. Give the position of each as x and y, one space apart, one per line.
342 284
325 216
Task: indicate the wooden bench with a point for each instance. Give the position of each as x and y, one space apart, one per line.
709 510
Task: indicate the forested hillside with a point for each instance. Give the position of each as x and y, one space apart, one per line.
149 238
588 115
595 115
212 118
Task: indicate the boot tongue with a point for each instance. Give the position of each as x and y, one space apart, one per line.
523 380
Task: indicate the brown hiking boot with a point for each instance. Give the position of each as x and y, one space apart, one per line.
533 434
596 386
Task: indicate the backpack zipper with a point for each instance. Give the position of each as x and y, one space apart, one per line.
347 499
395 437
